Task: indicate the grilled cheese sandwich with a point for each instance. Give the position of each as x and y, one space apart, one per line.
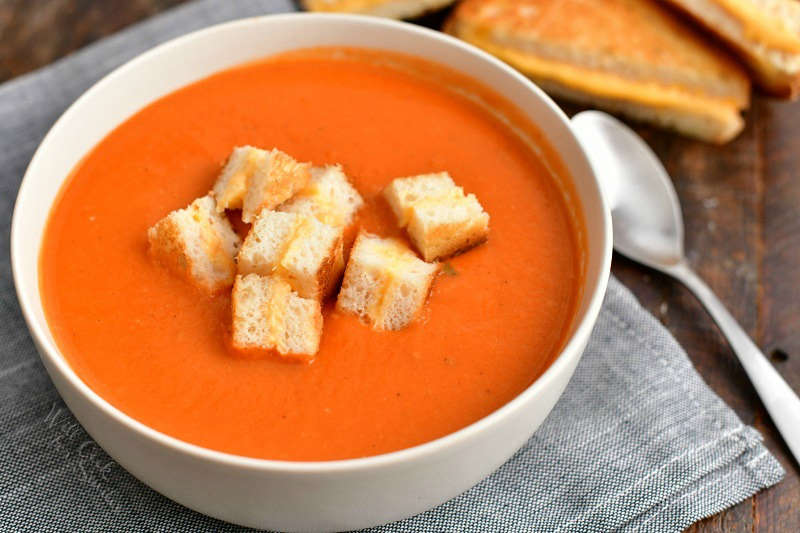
765 33
631 56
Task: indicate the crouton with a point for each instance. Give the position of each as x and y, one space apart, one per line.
231 186
299 248
440 219
198 243
403 193
440 230
273 182
385 283
268 315
329 197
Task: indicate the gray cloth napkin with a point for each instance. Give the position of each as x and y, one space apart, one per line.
637 443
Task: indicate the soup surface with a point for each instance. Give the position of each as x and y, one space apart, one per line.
157 349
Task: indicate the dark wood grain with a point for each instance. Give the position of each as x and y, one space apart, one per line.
741 208
34 33
718 188
778 509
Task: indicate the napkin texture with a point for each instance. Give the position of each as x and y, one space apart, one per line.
638 442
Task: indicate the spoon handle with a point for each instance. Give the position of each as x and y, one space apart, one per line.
780 400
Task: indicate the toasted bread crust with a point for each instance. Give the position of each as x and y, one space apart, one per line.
765 35
398 9
449 249
164 242
331 269
712 128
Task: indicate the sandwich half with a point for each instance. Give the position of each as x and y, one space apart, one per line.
397 9
633 57
765 33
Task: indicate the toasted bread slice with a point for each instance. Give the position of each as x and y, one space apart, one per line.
198 243
765 34
299 248
397 9
441 220
634 57
329 197
385 283
268 315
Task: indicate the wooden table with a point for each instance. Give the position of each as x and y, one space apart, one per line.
741 206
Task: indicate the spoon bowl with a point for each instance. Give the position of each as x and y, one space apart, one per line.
648 228
646 213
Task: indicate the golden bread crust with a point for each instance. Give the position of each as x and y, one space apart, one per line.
765 34
387 8
167 243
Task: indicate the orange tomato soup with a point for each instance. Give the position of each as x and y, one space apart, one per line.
156 348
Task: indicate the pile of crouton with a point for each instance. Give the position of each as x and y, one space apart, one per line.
293 258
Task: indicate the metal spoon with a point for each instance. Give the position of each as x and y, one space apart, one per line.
648 228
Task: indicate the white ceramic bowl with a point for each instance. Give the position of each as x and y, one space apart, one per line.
282 495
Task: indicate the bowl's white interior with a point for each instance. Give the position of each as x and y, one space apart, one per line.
195 56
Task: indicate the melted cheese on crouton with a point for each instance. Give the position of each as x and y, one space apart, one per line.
404 193
197 243
329 197
274 182
396 259
299 248
440 219
268 315
231 187
385 283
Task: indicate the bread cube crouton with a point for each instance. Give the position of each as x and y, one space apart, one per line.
329 197
299 248
385 283
198 243
442 230
440 219
254 179
268 315
231 186
403 193
274 182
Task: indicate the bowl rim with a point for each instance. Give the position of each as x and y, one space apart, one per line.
50 351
